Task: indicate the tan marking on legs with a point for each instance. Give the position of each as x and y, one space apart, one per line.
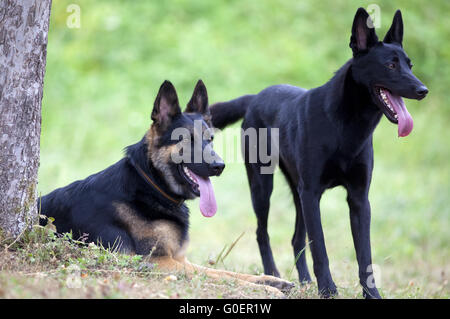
170 264
168 235
164 233
255 279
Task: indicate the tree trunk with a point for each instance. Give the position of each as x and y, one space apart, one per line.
23 49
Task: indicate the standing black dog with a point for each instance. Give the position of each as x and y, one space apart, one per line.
137 204
326 140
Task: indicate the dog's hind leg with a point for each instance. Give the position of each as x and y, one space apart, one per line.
358 202
299 243
298 240
311 214
360 225
261 186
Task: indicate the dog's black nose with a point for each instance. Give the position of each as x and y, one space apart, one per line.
217 168
422 91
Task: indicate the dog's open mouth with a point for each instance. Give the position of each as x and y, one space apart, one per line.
201 186
189 177
395 110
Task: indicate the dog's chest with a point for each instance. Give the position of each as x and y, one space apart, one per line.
332 174
335 170
160 237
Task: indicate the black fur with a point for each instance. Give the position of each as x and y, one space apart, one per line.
87 207
236 110
325 139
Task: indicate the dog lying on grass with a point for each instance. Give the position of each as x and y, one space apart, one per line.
137 204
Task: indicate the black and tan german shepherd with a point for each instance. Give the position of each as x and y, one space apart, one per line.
137 204
325 140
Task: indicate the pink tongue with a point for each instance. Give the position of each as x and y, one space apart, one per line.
405 121
208 205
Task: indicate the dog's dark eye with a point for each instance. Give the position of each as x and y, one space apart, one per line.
393 64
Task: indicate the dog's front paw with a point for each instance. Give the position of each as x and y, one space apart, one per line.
146 266
328 292
371 293
278 283
274 292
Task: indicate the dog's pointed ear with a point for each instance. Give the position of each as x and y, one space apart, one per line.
395 33
166 105
363 37
199 100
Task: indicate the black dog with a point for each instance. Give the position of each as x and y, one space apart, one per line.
326 140
136 205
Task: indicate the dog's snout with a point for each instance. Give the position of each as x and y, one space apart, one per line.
422 91
217 168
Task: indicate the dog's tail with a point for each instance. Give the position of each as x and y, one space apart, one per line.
226 113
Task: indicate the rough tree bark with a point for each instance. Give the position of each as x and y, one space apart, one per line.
23 49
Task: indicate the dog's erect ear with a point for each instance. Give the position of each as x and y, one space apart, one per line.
363 37
395 33
166 105
199 100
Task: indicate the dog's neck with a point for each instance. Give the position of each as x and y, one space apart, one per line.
139 160
351 108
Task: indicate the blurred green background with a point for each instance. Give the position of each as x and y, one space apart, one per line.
102 78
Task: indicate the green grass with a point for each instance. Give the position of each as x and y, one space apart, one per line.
101 81
41 264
